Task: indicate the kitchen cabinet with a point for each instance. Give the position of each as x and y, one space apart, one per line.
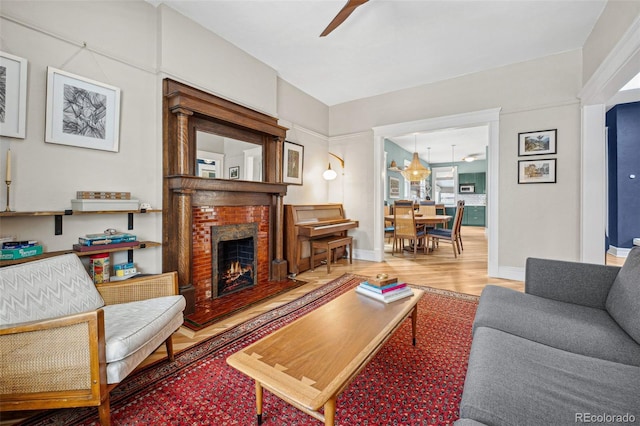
476 179
474 216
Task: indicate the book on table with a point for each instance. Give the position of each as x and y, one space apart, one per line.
400 292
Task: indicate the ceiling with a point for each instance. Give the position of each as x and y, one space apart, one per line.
469 141
387 45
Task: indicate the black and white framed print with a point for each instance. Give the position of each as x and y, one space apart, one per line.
537 171
540 142
82 112
13 95
293 163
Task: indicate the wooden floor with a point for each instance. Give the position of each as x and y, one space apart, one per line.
466 274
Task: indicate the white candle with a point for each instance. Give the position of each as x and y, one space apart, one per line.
8 179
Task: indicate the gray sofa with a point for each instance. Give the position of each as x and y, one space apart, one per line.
565 351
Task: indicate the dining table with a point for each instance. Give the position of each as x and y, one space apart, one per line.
428 220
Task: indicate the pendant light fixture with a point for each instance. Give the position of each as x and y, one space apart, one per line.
415 172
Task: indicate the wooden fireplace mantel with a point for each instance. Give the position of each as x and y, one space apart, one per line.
185 111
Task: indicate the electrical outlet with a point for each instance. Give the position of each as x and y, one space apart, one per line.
208 294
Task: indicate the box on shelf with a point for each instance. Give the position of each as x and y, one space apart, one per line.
99 267
20 253
93 205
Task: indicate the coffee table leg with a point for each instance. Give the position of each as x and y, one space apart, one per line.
330 412
414 321
259 401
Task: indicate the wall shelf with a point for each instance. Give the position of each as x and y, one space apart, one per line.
59 214
142 245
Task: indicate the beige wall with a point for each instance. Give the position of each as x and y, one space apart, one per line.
534 95
131 45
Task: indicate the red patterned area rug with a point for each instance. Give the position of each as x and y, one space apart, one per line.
402 385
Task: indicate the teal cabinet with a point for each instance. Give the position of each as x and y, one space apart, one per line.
474 216
479 180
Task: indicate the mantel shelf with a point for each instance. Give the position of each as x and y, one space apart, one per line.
59 214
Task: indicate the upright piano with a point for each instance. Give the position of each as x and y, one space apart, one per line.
306 222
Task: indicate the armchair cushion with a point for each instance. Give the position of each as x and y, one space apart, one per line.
623 301
46 288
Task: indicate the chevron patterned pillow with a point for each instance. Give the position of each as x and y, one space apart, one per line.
47 288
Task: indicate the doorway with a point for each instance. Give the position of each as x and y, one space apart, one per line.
489 118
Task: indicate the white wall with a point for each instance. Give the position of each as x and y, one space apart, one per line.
534 95
131 45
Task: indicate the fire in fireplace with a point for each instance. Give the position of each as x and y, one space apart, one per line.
234 254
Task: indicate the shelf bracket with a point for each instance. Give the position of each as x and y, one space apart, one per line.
130 222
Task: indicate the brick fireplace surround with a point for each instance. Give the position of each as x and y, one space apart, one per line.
204 217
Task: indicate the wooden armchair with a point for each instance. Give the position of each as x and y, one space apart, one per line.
451 235
64 343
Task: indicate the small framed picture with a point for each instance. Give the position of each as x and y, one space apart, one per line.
13 95
234 172
537 171
540 142
293 163
394 187
82 112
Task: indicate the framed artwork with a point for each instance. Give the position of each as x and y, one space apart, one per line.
394 187
234 172
209 164
540 142
537 171
82 112
293 163
13 95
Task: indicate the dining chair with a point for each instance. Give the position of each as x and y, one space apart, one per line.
388 225
451 235
404 222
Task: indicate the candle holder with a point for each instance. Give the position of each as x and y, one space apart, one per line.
8 182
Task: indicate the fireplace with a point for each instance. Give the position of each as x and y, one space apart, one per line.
234 254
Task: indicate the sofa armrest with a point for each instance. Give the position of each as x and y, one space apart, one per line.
52 363
573 282
143 288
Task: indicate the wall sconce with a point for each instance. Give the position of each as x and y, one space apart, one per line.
331 174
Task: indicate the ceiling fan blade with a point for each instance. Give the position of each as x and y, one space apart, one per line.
342 15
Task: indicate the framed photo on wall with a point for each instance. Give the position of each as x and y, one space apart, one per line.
540 142
537 171
13 95
293 160
394 187
234 172
82 112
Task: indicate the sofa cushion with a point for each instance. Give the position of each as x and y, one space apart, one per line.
129 326
47 288
515 381
623 301
567 326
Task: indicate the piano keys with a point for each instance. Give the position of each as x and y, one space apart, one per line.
305 222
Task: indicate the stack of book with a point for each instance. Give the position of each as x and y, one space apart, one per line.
12 250
123 271
102 195
98 242
385 290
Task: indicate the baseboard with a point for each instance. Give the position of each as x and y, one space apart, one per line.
618 251
511 273
368 255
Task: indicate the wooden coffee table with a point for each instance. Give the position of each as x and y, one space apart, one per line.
309 362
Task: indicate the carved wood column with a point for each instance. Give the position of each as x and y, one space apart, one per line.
183 206
183 149
279 264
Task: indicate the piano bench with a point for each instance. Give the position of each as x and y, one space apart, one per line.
329 244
